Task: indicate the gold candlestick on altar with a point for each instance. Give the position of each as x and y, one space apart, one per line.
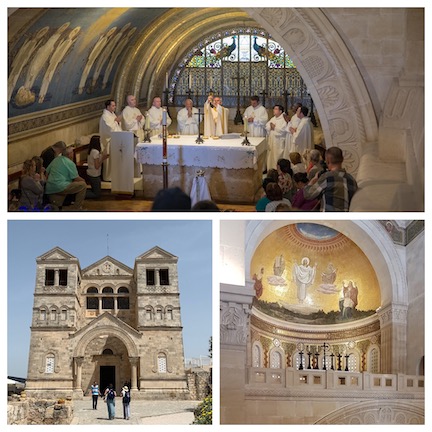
164 148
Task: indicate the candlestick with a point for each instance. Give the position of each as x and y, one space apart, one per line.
164 116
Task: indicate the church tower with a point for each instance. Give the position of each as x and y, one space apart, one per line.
159 320
55 311
107 323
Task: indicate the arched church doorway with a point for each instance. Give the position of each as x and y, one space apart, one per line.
107 376
105 361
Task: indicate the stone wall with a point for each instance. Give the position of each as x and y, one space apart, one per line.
199 383
39 411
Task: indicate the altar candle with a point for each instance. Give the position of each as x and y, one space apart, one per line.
263 82
190 80
147 122
211 82
245 123
164 116
166 80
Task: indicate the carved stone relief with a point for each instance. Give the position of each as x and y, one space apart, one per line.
234 323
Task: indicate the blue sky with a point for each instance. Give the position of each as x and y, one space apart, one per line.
89 241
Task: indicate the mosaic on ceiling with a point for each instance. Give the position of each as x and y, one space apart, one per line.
311 274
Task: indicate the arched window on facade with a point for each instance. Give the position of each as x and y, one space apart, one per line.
63 314
159 313
53 314
169 313
123 299
353 362
373 360
257 357
238 63
92 300
42 314
149 313
49 363
275 359
162 363
107 302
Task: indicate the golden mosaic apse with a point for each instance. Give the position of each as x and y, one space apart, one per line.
310 273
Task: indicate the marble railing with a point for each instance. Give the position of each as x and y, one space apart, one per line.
313 380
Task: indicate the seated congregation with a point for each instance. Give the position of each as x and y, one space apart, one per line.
297 176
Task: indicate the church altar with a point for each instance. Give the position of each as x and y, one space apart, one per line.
233 171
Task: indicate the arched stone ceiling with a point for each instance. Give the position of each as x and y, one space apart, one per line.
323 59
153 55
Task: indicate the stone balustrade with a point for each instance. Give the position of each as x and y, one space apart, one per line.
332 381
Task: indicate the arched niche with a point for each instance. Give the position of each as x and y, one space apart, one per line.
369 236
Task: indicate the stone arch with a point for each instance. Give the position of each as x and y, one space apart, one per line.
330 73
110 330
369 236
369 412
332 76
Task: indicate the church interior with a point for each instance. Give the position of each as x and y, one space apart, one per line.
322 322
360 72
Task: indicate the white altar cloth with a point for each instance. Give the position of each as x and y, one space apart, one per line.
219 153
232 171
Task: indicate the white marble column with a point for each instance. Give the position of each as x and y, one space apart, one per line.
235 306
393 323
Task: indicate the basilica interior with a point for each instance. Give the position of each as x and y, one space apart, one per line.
322 322
361 71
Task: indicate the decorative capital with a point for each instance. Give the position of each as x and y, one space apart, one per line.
234 323
393 313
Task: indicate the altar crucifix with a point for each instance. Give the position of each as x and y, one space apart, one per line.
238 117
199 140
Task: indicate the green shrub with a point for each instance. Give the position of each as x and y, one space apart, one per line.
203 412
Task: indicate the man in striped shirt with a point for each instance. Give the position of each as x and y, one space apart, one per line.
335 187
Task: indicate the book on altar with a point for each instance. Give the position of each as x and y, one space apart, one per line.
230 136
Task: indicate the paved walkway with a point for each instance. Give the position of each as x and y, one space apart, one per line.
142 412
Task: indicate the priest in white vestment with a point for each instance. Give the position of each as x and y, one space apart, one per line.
132 118
155 115
256 117
302 138
291 127
133 121
276 134
109 122
187 119
215 117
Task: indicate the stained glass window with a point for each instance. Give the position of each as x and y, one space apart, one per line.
236 64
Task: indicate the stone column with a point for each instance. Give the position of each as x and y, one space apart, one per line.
134 372
100 305
115 306
78 363
235 309
56 277
393 323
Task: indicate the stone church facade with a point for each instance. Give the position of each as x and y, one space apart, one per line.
107 323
